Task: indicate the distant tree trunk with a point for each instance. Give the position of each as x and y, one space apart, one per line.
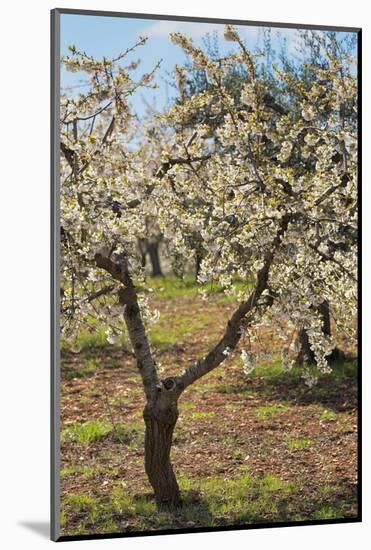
143 251
198 264
305 353
151 247
153 250
324 309
160 422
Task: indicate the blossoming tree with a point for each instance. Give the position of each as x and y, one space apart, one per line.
270 196
310 58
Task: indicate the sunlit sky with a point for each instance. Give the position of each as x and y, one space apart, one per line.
107 36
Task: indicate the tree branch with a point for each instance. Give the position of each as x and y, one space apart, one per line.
163 170
98 293
271 102
68 153
119 270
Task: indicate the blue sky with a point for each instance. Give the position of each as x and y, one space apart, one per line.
107 36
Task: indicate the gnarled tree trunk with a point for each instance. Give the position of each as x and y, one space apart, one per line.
160 418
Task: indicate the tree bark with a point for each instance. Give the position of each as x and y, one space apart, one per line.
160 423
153 251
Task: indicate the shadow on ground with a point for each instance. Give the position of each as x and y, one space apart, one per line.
337 390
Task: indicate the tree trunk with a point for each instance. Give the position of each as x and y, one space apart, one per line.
324 310
155 258
142 244
305 353
161 411
160 419
198 264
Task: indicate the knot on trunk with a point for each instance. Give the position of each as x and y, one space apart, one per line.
170 386
169 383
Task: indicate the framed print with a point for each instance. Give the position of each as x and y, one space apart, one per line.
205 288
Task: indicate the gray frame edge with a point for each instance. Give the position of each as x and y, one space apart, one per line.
55 278
195 19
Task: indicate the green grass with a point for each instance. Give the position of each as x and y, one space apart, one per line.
86 340
186 406
114 364
327 416
228 439
207 502
298 443
83 508
130 434
86 432
211 501
175 287
332 388
108 513
273 373
87 472
93 337
80 502
272 484
87 369
270 411
327 512
328 489
177 328
91 340
124 503
345 424
199 415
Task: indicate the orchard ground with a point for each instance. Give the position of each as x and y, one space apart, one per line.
246 450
